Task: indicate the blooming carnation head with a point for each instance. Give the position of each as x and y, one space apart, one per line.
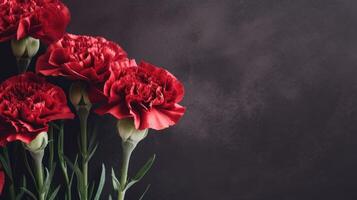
146 93
27 104
42 19
79 57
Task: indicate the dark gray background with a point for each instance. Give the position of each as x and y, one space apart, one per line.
271 96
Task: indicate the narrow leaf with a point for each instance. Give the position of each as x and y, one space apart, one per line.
93 137
5 167
101 184
22 192
80 186
146 190
54 194
29 193
91 190
29 168
46 183
115 181
73 172
141 173
92 151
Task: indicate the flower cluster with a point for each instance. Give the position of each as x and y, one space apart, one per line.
140 96
146 93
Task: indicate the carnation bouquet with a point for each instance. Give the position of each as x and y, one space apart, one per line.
104 80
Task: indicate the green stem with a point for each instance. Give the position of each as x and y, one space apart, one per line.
128 148
83 118
51 147
23 64
12 191
37 158
62 162
12 185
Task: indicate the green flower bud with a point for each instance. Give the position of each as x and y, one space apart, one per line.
38 144
18 47
32 47
78 95
25 48
129 133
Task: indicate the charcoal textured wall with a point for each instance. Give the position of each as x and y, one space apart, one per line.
271 96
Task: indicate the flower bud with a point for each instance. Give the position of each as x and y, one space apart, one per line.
18 47
38 144
25 48
78 95
32 47
129 133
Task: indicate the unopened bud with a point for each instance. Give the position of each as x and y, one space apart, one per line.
129 133
25 48
38 144
78 95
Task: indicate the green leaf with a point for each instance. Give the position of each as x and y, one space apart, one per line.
92 151
48 179
93 137
22 192
5 167
79 144
80 186
115 181
46 183
29 168
146 190
29 193
73 172
91 190
62 162
101 184
54 194
141 173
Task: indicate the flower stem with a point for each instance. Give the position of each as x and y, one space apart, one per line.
12 185
83 118
37 158
12 191
62 161
51 147
128 148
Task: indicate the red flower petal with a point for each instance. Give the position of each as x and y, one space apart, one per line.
159 119
2 181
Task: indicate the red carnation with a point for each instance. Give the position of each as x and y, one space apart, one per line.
146 93
42 19
27 104
80 58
